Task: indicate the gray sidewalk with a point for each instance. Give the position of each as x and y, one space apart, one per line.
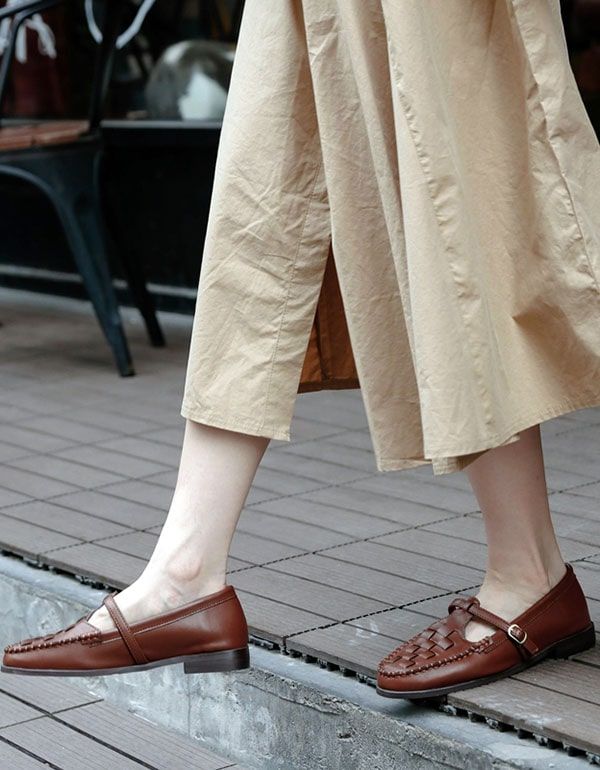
52 723
333 561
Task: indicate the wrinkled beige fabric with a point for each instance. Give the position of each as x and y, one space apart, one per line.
444 150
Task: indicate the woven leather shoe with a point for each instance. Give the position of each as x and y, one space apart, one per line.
440 660
210 634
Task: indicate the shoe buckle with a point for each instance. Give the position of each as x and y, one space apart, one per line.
517 633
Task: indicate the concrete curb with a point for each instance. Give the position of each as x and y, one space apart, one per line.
282 714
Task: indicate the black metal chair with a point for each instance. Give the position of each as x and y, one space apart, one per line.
61 158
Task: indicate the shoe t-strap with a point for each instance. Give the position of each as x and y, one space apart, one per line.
512 630
129 639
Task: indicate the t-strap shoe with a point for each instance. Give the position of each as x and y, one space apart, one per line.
209 634
439 659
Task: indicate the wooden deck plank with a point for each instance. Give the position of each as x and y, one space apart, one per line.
101 564
345 646
13 711
297 593
568 677
162 749
361 581
288 531
112 462
65 520
67 471
128 513
406 487
443 547
542 711
63 747
46 693
402 512
13 758
352 525
269 619
27 539
420 568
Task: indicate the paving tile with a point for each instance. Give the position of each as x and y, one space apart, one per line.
396 624
356 560
422 569
62 747
72 473
166 479
65 428
13 711
148 450
171 436
259 549
271 620
120 464
441 547
399 484
159 748
351 524
109 421
65 520
289 531
31 484
48 694
141 492
139 544
532 707
112 508
8 497
362 581
284 483
329 468
97 563
11 452
304 594
33 440
27 539
11 413
403 512
343 645
18 760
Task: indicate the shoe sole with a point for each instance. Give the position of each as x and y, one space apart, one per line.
202 663
570 645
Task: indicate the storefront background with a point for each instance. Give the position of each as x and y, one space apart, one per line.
157 195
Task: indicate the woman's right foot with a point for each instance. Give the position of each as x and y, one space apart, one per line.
208 634
154 592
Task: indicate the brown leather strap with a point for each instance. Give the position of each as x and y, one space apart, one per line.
129 639
515 632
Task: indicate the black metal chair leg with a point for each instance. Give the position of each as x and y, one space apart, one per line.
66 177
134 276
85 235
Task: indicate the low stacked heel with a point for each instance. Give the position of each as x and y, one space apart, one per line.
225 660
582 640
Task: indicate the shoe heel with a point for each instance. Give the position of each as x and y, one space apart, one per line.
579 642
225 660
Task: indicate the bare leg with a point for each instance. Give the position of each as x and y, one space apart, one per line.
189 561
524 561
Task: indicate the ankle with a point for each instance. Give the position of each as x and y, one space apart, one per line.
529 581
177 583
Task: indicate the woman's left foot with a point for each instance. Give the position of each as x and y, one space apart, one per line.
440 659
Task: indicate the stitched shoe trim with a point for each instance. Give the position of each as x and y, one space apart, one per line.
475 647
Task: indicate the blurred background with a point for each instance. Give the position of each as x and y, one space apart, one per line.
160 133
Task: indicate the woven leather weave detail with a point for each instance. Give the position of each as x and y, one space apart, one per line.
436 645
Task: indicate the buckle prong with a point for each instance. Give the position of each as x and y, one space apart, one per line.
511 632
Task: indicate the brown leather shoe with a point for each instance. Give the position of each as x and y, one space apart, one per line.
210 634
440 660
